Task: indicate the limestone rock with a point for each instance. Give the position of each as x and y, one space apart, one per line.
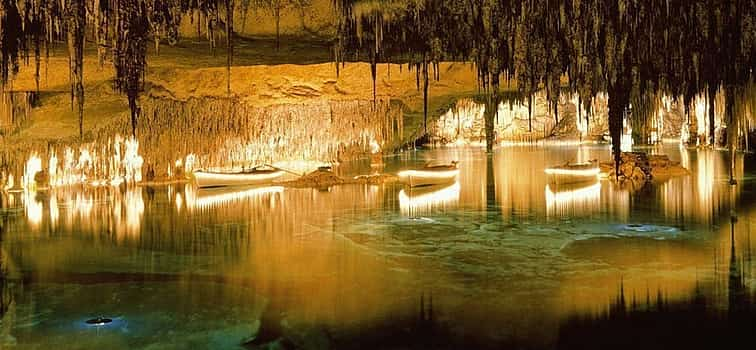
42 178
639 167
638 174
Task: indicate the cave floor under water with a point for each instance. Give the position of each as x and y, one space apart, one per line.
500 257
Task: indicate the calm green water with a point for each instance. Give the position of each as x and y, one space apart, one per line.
502 256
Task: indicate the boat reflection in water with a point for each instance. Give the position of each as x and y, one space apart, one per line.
211 198
578 198
415 201
33 208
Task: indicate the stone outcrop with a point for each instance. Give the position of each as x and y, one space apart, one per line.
662 167
640 167
325 178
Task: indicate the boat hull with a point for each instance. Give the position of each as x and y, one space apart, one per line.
210 179
416 178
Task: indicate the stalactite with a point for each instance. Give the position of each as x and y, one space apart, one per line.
530 113
229 41
11 40
425 97
230 132
373 73
711 97
76 14
492 107
732 127
130 53
595 43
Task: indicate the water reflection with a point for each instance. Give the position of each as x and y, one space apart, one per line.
523 189
86 208
716 306
503 246
420 201
33 208
702 196
573 199
212 198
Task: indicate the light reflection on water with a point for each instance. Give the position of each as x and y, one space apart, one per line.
420 201
501 244
575 200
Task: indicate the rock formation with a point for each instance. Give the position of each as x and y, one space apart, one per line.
640 167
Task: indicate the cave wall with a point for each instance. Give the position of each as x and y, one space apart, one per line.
230 133
464 123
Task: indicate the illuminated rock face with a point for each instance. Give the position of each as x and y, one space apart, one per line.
464 123
227 133
218 133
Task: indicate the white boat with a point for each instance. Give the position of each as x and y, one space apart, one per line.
431 174
574 172
256 176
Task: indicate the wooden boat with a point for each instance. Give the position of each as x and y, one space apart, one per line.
574 172
255 176
431 174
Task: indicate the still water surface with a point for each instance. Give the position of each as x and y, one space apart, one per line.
501 256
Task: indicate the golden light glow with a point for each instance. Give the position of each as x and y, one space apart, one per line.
32 167
414 202
9 182
580 122
133 161
573 172
204 199
573 200
701 104
626 143
54 210
33 208
375 147
134 210
189 163
92 164
179 200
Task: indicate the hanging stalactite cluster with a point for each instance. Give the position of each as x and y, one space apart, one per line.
635 50
228 132
121 29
